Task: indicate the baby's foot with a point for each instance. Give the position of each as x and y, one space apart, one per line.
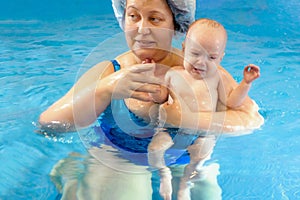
165 189
184 190
184 194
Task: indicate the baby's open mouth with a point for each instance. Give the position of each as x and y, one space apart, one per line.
198 70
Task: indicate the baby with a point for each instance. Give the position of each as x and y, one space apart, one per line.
198 85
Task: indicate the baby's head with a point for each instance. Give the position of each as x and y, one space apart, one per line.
204 46
208 33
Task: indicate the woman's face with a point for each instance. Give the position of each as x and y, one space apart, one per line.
149 28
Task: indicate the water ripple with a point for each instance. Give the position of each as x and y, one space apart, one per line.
40 60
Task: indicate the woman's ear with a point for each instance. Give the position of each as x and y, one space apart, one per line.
183 46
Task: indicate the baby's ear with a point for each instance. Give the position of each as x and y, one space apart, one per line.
222 56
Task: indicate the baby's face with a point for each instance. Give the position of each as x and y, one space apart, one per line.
204 50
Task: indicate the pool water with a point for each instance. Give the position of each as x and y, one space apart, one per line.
44 50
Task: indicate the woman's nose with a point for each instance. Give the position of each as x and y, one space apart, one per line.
144 27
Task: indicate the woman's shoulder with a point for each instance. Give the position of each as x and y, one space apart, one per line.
177 57
226 76
99 70
175 71
107 67
126 59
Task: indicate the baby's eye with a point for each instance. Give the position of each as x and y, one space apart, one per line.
194 53
213 57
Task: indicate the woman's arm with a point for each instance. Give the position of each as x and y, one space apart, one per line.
244 118
77 106
228 121
90 96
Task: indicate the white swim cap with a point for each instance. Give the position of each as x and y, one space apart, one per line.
183 12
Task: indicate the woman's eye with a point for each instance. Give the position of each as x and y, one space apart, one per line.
155 19
132 17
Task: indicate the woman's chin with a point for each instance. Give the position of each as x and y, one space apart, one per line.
150 53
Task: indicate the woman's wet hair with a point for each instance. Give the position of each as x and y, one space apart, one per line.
183 12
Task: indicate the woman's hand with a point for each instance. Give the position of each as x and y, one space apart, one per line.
174 114
170 114
179 115
135 82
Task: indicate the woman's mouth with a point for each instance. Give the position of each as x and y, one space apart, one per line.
144 43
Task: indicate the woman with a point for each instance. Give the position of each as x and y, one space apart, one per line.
126 83
149 35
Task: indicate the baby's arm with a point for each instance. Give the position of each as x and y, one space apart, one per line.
239 94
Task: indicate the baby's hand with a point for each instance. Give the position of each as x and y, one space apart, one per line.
251 72
148 60
155 96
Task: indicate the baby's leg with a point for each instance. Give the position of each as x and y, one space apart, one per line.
161 141
199 152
